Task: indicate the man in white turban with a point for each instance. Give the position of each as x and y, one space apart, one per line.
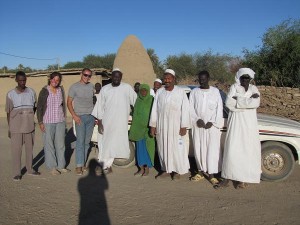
242 151
169 122
156 85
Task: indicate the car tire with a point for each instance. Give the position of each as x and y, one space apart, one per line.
125 163
277 161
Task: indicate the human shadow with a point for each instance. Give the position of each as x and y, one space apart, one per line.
93 206
37 161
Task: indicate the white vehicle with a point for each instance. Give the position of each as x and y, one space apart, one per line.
280 142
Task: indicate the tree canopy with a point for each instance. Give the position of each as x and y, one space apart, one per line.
277 61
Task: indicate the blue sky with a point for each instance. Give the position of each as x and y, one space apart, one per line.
72 29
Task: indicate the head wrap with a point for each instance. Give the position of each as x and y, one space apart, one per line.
147 88
244 71
170 71
139 128
158 80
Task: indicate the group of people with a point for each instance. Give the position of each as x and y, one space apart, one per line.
161 118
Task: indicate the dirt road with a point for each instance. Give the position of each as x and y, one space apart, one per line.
121 198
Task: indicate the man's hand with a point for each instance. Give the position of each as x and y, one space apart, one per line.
200 123
255 95
208 125
77 119
100 127
182 131
42 127
153 131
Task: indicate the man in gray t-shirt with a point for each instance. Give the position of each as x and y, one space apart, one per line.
80 105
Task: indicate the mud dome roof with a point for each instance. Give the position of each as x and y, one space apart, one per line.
134 62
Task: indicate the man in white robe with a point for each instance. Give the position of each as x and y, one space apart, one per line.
206 109
242 152
156 85
113 112
169 122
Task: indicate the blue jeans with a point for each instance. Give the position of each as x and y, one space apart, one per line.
84 133
54 145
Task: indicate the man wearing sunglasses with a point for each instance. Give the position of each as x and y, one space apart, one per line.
242 150
80 105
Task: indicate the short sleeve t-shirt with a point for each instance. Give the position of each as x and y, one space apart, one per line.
82 95
20 106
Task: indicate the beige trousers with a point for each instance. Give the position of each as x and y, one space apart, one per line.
17 141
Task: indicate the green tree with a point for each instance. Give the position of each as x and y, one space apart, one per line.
277 61
73 65
53 67
20 67
218 65
107 61
92 61
157 65
183 65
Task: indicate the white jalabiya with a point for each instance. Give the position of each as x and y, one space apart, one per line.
206 104
242 152
113 109
96 114
170 112
152 92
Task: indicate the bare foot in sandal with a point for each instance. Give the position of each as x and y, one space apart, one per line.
197 177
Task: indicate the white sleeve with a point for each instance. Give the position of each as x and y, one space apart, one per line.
153 116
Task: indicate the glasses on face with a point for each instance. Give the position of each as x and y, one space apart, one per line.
87 75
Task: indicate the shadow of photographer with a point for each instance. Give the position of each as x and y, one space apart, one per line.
93 206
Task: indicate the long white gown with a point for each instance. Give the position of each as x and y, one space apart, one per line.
113 109
96 114
170 112
206 104
242 152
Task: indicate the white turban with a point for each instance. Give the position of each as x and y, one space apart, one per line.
158 80
243 71
170 71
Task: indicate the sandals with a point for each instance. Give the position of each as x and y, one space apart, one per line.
197 177
213 181
222 184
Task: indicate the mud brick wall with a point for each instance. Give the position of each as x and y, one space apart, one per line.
280 101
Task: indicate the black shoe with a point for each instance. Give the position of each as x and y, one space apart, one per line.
34 173
17 178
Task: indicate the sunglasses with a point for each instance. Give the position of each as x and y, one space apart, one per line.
87 75
245 78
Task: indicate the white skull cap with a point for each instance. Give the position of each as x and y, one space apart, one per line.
158 80
116 70
170 71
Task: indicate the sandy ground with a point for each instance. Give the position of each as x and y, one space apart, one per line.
121 198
